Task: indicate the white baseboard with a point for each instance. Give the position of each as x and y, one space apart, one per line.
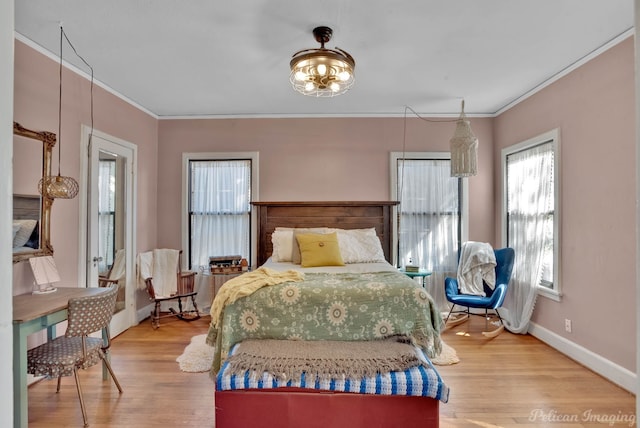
617 374
144 312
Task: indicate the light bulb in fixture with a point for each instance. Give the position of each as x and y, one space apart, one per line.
58 187
331 71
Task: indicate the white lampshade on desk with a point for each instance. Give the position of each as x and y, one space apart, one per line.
45 274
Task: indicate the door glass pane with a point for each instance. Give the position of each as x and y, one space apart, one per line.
111 223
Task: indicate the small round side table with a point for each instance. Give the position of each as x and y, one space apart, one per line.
422 274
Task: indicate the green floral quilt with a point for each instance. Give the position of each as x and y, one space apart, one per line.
339 306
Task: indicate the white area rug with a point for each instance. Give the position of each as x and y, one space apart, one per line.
197 356
447 357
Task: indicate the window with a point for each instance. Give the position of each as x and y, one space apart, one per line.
220 188
431 214
531 210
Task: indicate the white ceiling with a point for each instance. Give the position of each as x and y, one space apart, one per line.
231 58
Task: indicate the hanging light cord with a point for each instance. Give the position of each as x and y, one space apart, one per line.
404 139
60 105
404 150
62 33
432 120
400 187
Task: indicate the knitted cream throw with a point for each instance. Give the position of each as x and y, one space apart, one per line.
324 359
246 284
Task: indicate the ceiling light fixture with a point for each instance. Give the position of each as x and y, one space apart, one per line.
464 148
59 187
322 72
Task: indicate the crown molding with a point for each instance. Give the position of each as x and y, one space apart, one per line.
33 45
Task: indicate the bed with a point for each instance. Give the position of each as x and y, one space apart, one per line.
26 216
260 389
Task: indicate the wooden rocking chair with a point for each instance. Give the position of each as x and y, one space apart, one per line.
185 290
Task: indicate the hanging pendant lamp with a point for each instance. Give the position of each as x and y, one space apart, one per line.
322 72
464 148
59 186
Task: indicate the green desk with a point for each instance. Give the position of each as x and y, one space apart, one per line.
422 274
33 313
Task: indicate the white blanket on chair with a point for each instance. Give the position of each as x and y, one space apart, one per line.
477 264
118 269
162 266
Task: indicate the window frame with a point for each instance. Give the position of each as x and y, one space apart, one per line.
218 156
553 137
394 157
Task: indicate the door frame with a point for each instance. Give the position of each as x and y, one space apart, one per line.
129 317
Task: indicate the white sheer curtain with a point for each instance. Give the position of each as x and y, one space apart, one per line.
429 225
530 224
220 209
106 213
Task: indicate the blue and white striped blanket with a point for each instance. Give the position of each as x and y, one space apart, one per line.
422 381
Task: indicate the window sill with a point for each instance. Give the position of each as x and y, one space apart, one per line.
550 294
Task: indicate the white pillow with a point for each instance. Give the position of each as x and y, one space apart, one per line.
282 241
285 245
24 233
16 228
360 246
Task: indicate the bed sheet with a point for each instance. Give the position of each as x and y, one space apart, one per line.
348 268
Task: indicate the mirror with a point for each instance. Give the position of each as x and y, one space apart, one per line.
111 222
31 212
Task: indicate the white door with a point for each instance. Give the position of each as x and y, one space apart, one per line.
110 235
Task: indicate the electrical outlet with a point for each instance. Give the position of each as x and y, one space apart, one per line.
567 325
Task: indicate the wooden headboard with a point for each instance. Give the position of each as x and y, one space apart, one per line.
26 207
343 215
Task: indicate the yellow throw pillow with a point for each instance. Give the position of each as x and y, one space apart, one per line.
295 248
319 249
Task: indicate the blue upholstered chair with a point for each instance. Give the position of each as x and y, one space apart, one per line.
493 299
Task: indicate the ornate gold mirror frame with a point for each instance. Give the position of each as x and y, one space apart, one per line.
48 140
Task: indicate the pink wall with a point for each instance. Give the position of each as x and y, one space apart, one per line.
36 107
343 159
316 159
594 108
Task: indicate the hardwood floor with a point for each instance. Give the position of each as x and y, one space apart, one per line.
516 380
511 380
156 393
